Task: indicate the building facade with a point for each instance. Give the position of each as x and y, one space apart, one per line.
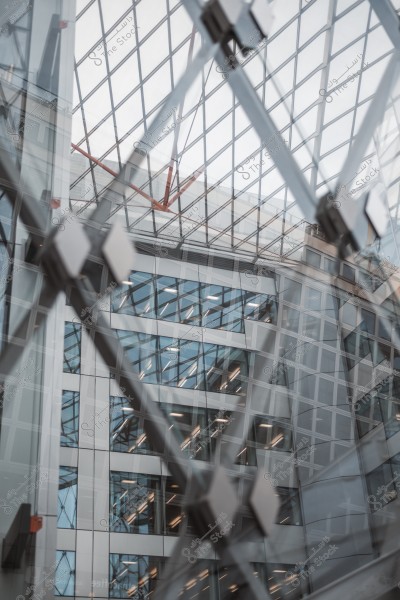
306 359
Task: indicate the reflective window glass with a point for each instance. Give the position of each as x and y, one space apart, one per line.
222 308
72 347
141 349
135 503
181 363
289 510
193 428
70 419
64 580
178 300
135 297
126 428
260 307
271 434
391 415
226 369
381 487
134 576
292 291
67 498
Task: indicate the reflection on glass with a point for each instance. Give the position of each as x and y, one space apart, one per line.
126 428
186 364
72 348
190 423
226 369
145 504
67 497
181 363
64 580
382 484
222 308
368 409
141 350
289 509
135 296
260 307
135 503
132 575
270 434
70 419
192 302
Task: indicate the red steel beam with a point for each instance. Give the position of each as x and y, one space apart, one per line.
156 205
187 185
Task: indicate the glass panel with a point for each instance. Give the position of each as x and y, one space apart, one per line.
126 428
381 487
145 504
271 434
260 307
191 424
135 298
136 503
391 414
289 510
72 347
167 298
222 308
141 350
67 497
64 584
181 363
226 369
70 419
134 576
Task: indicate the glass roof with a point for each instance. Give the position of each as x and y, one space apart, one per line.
317 74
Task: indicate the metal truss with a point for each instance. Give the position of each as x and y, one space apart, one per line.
67 259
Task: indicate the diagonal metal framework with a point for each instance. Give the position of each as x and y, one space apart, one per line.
258 198
84 291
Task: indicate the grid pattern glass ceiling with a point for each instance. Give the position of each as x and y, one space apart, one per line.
316 74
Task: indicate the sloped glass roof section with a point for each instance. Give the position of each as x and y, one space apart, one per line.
316 74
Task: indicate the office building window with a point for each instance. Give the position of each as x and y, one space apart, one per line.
222 308
260 307
134 576
289 509
64 581
191 302
368 412
135 503
126 428
181 363
190 424
391 415
226 369
382 484
136 298
67 498
185 363
72 347
70 419
144 504
178 300
141 350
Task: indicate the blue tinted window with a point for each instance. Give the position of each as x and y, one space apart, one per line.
64 581
67 498
70 419
72 347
